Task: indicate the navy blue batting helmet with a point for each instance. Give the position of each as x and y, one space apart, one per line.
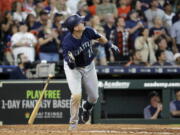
73 21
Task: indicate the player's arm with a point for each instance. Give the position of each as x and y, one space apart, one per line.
102 39
68 55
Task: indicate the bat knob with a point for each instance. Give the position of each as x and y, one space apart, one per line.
50 75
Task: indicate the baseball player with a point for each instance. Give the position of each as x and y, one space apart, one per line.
79 66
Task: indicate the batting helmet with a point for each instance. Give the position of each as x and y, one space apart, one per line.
73 21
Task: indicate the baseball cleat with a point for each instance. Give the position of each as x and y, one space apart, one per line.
72 127
85 114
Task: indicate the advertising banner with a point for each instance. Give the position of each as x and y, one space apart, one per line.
17 100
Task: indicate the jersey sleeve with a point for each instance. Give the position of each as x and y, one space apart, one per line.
92 34
65 51
66 48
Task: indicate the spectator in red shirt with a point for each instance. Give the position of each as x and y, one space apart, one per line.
120 37
92 8
123 8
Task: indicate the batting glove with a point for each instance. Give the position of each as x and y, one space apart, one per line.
71 60
113 47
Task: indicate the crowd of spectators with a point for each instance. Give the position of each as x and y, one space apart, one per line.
147 32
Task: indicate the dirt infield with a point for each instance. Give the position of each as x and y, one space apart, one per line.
95 129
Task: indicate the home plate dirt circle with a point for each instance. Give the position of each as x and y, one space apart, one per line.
94 129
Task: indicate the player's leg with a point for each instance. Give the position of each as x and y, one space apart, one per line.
90 82
74 82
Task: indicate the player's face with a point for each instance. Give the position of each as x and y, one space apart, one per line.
79 28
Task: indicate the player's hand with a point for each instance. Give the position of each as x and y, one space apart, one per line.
71 60
115 49
71 57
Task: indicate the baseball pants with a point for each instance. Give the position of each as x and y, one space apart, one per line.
76 78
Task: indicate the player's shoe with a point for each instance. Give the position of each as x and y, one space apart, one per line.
85 114
72 127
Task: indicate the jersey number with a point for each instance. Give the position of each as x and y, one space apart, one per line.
90 52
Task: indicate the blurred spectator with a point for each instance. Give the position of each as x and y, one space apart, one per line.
163 45
177 59
123 8
109 25
106 8
7 29
92 8
63 8
44 20
49 44
83 11
145 4
153 12
31 23
72 5
146 46
5 5
24 64
51 8
39 7
8 56
136 59
175 33
57 21
134 24
169 14
175 105
18 14
58 27
98 48
108 28
100 53
153 110
138 8
120 37
161 59
158 29
23 42
29 7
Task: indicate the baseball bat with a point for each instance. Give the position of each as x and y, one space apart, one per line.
37 106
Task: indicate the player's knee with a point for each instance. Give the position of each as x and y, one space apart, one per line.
93 99
76 97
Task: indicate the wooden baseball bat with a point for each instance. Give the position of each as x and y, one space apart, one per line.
37 106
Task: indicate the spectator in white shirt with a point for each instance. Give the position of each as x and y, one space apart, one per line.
163 45
29 7
169 14
23 42
153 12
18 14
